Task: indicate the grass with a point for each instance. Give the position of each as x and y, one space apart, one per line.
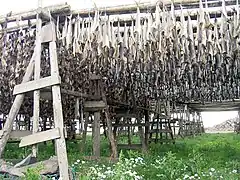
210 156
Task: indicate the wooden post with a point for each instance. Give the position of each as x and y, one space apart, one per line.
58 115
37 69
15 107
81 119
110 134
76 112
146 115
141 133
96 135
84 136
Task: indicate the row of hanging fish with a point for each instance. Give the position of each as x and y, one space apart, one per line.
155 57
161 55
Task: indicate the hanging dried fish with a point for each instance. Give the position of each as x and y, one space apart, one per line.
69 33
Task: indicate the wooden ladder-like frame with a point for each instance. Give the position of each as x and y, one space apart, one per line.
45 34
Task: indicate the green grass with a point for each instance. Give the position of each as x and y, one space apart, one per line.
209 156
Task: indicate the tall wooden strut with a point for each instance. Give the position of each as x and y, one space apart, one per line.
44 35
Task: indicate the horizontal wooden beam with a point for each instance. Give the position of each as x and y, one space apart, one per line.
160 131
126 9
31 14
215 106
216 109
36 84
74 93
149 7
17 134
46 93
94 105
130 125
129 146
125 115
40 137
191 7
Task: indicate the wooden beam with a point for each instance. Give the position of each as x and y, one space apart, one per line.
215 106
96 134
31 14
15 107
148 7
40 137
74 93
46 93
130 125
36 93
129 146
17 134
36 84
60 143
94 105
119 115
125 9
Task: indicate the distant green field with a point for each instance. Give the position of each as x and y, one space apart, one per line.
210 156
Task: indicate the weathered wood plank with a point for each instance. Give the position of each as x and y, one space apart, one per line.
17 134
160 131
36 93
46 93
36 84
58 115
96 134
129 146
40 137
15 107
94 105
48 33
130 125
31 14
124 115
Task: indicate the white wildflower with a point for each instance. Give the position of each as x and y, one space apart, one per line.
212 169
78 161
186 176
234 171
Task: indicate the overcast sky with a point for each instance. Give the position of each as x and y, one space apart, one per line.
209 118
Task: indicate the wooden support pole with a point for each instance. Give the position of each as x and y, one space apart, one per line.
36 93
110 134
96 134
147 127
84 136
81 119
76 112
58 115
142 137
16 106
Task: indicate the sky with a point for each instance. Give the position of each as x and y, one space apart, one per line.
209 118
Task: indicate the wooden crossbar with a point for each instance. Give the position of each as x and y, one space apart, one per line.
40 137
17 134
36 84
94 105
